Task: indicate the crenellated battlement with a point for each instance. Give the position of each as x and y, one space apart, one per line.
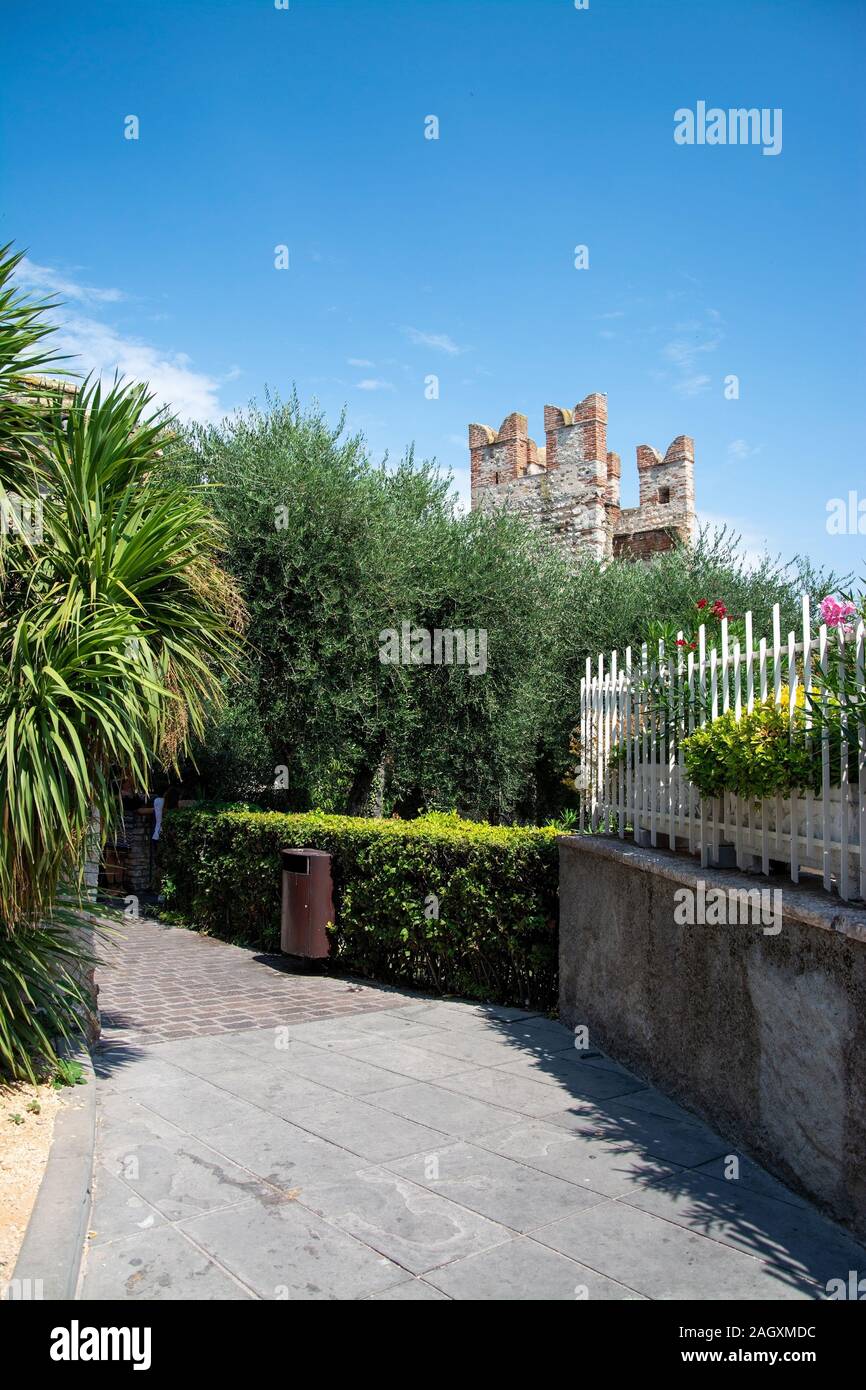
499 456
570 487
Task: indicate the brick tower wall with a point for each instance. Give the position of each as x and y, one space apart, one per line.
561 490
570 489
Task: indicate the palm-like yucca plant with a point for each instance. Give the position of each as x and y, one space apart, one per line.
24 329
117 627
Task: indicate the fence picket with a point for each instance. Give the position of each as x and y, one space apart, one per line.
629 806
808 721
681 725
844 861
861 755
826 849
794 855
691 727
599 751
702 687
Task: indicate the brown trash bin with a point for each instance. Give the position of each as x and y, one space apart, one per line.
308 903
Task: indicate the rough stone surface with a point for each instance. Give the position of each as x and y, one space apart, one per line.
763 1035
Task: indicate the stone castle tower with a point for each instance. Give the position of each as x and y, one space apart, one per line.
569 489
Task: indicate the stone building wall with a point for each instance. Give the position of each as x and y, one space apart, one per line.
131 847
570 488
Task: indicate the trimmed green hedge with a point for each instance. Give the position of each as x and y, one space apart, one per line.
495 936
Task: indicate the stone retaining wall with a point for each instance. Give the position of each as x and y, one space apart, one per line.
759 1028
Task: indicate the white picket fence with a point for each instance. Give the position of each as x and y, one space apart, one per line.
645 789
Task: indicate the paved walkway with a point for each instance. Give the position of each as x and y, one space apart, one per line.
360 1143
162 983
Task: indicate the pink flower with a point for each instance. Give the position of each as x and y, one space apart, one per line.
837 613
702 603
719 610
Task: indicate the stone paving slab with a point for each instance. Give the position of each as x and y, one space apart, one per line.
409 1223
526 1271
603 1168
122 1212
366 1144
158 1266
448 1111
575 1078
476 1046
753 1178
409 1061
502 1189
794 1237
282 1154
288 1252
614 1127
367 1130
499 1087
410 1291
663 1261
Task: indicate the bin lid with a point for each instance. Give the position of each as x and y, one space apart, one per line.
310 853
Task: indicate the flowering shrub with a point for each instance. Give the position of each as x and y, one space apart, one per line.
838 613
840 686
684 637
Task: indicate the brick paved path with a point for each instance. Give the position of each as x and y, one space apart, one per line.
159 983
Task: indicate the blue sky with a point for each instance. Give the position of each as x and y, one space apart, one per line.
455 257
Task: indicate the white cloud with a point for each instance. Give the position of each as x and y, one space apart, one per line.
95 348
742 449
440 341
739 449
373 383
48 281
360 362
98 348
692 385
685 357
